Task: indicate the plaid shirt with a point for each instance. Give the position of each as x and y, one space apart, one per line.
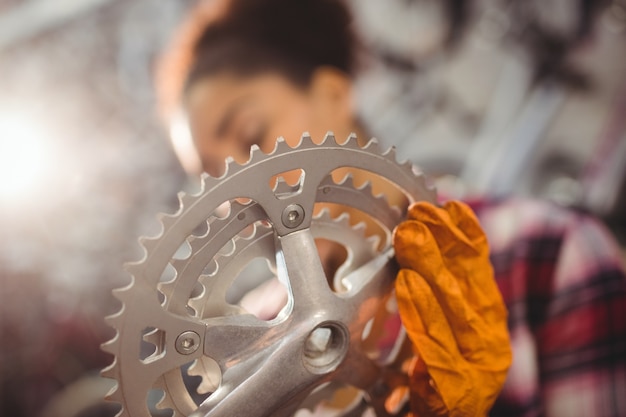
562 279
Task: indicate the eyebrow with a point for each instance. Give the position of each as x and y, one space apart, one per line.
230 113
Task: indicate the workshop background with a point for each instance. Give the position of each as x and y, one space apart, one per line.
497 97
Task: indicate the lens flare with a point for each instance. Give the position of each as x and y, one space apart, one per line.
23 156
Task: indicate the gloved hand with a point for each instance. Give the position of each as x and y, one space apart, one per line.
452 310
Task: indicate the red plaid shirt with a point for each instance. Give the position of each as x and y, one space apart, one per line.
562 279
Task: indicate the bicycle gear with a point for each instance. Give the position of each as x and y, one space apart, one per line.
184 332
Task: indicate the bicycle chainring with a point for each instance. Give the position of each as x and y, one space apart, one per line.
234 310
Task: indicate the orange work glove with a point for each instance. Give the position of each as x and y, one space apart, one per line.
452 310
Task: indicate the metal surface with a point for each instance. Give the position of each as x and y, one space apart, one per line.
329 337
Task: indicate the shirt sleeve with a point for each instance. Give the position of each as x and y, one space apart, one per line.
561 276
581 336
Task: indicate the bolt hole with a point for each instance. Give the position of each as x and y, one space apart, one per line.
325 347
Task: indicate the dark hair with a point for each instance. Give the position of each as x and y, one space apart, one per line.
247 37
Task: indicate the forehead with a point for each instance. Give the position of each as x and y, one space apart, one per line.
216 93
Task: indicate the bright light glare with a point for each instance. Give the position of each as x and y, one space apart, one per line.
181 138
22 158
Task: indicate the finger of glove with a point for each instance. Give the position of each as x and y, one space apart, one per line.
428 329
417 250
464 218
482 290
465 252
451 236
423 397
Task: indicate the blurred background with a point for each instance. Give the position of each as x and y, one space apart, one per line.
496 97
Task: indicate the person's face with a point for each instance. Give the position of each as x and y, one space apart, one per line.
228 114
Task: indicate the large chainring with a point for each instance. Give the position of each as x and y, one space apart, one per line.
186 334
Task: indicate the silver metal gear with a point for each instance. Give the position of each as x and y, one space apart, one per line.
182 335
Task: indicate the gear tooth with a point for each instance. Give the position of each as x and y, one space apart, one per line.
142 241
211 268
236 207
347 181
326 181
392 154
228 249
306 139
193 238
394 209
112 371
206 182
343 218
329 139
207 385
256 154
114 320
168 220
167 288
115 395
306 142
194 368
373 146
251 234
281 146
360 228
196 304
396 212
374 241
207 227
371 142
324 214
164 402
230 167
210 381
123 413
179 265
159 216
185 201
181 196
408 165
254 148
201 293
149 243
134 268
367 187
123 294
351 142
197 243
111 346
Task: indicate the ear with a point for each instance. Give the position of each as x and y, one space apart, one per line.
331 94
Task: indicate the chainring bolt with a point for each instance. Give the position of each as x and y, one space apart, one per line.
293 216
187 342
